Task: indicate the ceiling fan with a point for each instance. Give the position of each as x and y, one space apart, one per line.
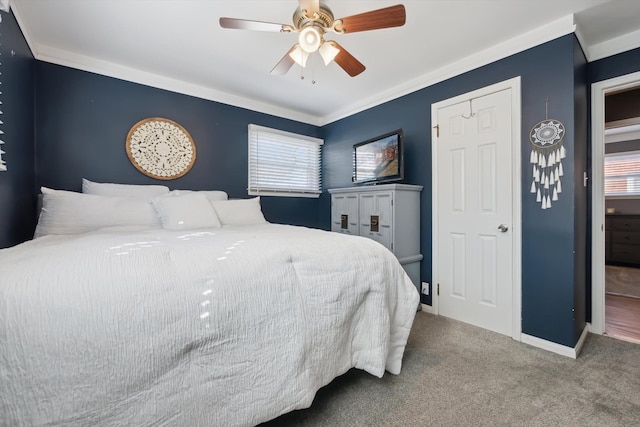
312 20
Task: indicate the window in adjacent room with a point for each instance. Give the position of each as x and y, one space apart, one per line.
283 163
622 174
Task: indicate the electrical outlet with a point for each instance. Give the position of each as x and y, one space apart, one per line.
425 288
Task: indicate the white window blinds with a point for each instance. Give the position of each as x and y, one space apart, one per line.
4 5
283 163
622 174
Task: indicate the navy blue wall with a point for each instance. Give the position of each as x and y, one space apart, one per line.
17 206
614 66
82 120
547 71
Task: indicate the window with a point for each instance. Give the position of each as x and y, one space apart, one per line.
283 163
622 174
4 5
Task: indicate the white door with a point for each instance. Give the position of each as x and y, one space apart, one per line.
474 211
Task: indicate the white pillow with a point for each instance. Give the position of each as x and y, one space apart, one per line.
123 190
68 212
239 211
210 194
185 211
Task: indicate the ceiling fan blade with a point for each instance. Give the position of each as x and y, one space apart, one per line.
246 24
392 16
310 6
346 61
285 63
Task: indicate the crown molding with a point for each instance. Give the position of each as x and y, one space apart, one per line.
538 36
110 69
613 46
97 66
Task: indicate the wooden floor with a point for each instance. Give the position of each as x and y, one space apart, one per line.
622 317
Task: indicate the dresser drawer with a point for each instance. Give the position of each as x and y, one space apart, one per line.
626 237
625 224
625 253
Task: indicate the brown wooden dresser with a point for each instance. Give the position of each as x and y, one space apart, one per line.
622 239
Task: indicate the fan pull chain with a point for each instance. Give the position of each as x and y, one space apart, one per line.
313 69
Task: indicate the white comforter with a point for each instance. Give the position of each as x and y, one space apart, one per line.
219 327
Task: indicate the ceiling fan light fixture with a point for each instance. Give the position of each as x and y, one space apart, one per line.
328 52
299 56
310 39
312 20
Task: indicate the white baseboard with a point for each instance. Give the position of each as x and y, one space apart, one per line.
572 352
560 349
428 309
582 339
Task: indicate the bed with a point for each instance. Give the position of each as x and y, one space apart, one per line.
109 322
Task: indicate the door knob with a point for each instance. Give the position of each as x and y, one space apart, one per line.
503 228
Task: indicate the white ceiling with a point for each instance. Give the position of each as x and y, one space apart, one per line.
178 45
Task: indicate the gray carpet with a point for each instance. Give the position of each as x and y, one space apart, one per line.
455 374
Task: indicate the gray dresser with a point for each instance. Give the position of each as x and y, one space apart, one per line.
388 213
622 239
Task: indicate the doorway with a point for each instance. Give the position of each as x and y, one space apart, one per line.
612 312
476 208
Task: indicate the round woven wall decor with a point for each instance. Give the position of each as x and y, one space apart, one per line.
160 148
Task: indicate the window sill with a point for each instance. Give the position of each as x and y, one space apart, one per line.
284 194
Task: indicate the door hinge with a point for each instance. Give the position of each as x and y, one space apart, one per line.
438 290
437 128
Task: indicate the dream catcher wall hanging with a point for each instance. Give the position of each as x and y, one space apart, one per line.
547 153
